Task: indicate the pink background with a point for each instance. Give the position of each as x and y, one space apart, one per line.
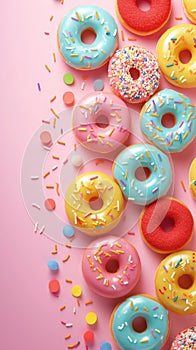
30 316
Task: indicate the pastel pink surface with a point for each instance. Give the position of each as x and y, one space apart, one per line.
30 316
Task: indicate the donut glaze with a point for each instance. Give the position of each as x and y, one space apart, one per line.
128 88
175 267
143 22
87 188
182 133
97 137
175 237
185 340
192 178
137 156
190 9
75 52
174 41
111 267
156 316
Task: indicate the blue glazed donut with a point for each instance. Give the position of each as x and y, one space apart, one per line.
176 138
157 321
76 53
146 156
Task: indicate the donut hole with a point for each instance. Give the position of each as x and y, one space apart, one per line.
112 266
96 203
167 224
102 121
142 173
88 36
185 56
139 324
143 5
185 281
134 73
168 120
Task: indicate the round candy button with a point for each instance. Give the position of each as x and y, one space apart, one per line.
91 318
53 265
50 204
76 291
105 346
68 79
68 98
88 336
54 286
46 138
68 231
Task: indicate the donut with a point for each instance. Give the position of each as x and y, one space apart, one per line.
166 225
189 7
185 340
111 267
176 106
175 282
172 43
151 334
75 52
192 178
143 22
94 203
134 74
144 156
101 122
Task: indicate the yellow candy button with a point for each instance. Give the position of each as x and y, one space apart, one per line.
91 318
76 291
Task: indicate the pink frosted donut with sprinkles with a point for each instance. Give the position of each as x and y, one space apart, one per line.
185 340
111 267
101 122
134 74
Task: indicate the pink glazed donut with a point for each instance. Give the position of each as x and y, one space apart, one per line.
101 122
111 267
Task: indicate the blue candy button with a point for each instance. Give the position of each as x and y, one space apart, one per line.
105 346
68 231
53 265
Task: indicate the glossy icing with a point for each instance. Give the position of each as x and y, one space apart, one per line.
175 298
122 255
142 155
87 56
88 111
77 203
156 316
190 9
192 178
123 84
175 40
176 138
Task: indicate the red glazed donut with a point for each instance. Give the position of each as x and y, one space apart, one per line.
143 22
166 225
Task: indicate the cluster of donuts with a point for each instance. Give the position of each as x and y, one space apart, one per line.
111 266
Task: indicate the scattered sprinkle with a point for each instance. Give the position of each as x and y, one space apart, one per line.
47 68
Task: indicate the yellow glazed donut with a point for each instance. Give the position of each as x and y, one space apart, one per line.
174 41
192 178
190 9
94 203
175 282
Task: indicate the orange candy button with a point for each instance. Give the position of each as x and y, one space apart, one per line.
50 204
88 336
68 98
54 286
